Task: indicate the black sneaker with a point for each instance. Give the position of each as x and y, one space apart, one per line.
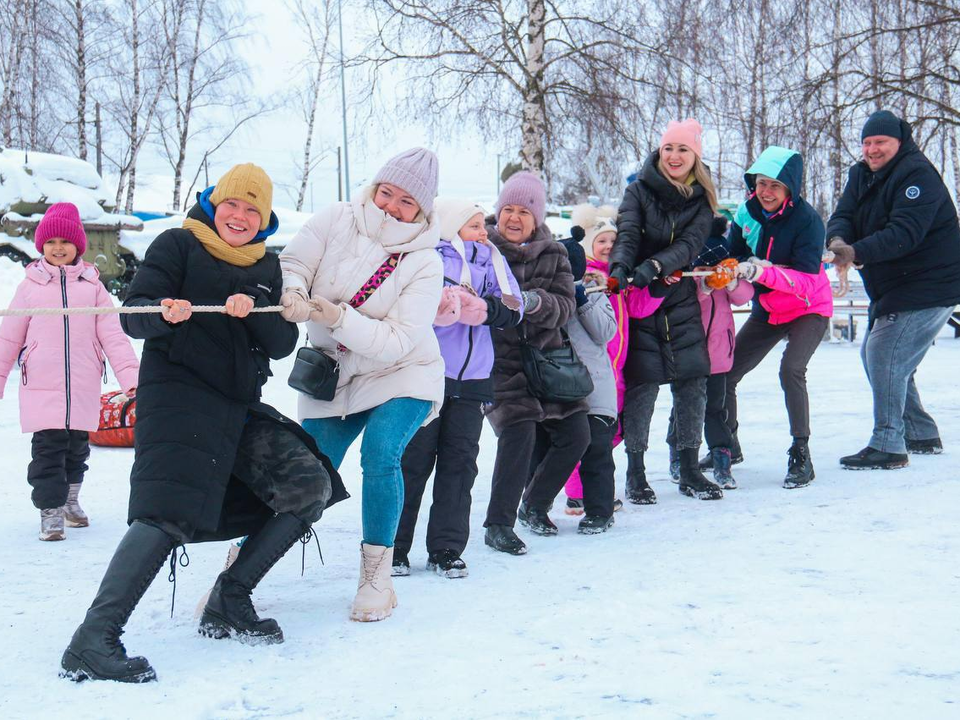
504 539
870 459
594 524
925 447
401 564
799 466
447 563
536 520
574 506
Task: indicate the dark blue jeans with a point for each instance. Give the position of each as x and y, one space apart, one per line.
892 349
386 431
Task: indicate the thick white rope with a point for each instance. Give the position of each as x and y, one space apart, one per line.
136 310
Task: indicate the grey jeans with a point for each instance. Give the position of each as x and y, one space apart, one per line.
892 349
689 407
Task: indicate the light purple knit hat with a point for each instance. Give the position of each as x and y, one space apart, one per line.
526 189
62 220
415 171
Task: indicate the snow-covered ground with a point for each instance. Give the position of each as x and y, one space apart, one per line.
836 601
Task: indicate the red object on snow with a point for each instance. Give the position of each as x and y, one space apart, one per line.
118 415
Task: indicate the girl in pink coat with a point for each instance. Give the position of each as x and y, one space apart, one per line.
62 360
716 313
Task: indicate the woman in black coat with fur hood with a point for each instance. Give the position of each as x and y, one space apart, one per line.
664 220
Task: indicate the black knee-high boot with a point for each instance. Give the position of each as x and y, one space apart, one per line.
229 611
95 652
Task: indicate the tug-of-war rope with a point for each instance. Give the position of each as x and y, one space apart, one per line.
135 310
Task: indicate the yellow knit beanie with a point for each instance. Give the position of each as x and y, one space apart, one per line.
250 183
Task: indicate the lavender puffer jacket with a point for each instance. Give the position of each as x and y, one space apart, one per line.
468 350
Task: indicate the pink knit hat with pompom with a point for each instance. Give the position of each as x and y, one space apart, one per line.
62 220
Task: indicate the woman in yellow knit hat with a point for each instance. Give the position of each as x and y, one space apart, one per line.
212 462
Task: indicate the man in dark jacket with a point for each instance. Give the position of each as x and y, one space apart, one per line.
896 222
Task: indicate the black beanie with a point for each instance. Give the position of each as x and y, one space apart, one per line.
882 122
577 256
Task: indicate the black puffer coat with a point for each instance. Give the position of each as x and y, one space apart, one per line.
199 382
904 229
540 266
656 221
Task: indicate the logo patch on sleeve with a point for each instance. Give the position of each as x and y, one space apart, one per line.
913 192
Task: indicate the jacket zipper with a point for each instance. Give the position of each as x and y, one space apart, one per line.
466 360
66 344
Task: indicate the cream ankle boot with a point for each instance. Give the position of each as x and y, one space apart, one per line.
375 598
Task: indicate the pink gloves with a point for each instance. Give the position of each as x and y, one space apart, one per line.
457 304
449 311
473 309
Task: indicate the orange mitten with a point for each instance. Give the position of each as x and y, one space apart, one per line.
723 274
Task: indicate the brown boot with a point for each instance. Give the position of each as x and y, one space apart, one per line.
73 514
375 598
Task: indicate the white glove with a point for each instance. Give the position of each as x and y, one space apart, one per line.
762 263
749 271
296 309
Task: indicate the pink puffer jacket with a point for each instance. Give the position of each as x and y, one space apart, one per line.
795 294
63 359
717 316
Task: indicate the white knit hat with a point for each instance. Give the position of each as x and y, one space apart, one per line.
594 221
453 214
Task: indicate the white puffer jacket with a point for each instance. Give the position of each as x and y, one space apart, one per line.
391 349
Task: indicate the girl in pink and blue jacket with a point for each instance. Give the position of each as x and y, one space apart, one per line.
62 360
779 237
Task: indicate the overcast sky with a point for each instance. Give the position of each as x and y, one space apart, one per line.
276 142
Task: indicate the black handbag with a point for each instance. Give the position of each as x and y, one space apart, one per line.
315 374
555 375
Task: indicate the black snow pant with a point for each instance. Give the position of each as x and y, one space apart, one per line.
568 440
754 341
689 405
597 467
450 443
715 429
59 460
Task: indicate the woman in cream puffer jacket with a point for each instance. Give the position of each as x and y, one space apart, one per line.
391 372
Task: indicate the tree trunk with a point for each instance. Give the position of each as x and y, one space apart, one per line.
81 82
308 144
133 130
184 136
533 126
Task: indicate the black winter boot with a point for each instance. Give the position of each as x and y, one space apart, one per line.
639 491
536 520
692 480
799 466
95 652
871 459
229 611
504 539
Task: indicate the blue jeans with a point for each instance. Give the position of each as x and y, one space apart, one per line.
386 431
892 349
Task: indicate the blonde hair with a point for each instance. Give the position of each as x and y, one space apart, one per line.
701 174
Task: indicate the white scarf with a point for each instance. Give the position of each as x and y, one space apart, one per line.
499 269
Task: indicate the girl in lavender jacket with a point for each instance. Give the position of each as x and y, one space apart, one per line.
479 293
62 360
